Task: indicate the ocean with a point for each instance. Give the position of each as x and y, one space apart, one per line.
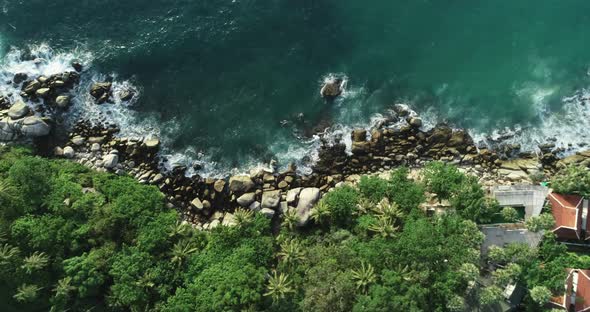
224 83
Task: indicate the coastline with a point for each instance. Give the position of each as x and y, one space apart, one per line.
398 140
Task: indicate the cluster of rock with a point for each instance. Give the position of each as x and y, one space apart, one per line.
19 121
209 202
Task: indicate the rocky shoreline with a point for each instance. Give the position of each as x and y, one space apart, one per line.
400 140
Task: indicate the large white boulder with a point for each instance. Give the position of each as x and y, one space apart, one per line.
307 199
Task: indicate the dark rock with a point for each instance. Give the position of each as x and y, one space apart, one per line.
20 77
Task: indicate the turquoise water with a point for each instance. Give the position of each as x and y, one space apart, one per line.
220 76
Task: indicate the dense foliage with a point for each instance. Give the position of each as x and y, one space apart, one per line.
572 180
77 240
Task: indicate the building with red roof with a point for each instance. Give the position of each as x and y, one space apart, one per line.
571 216
576 297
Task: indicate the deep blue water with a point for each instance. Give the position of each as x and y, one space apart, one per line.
220 76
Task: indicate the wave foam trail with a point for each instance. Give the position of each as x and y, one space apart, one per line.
567 127
42 60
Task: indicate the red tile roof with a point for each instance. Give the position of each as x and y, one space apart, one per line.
566 210
582 295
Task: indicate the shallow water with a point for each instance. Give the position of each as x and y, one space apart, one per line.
218 77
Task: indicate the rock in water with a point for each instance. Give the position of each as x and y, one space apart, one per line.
34 126
62 101
20 77
18 110
415 122
101 91
307 199
126 95
152 143
32 87
43 92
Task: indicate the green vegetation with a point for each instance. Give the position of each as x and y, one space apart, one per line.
73 239
572 180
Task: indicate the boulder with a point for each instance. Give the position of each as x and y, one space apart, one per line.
402 110
292 195
255 206
78 140
9 129
99 89
197 203
267 212
440 134
95 147
68 152
34 126
307 199
62 101
19 77
152 143
18 110
42 92
246 200
126 95
359 135
415 122
77 66
271 199
241 184
32 87
219 186
110 161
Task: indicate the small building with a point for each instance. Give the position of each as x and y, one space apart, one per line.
571 216
531 197
576 296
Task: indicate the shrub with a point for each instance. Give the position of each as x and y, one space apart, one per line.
405 192
373 188
572 180
342 203
442 179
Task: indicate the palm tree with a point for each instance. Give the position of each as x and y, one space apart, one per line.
26 293
180 228
384 226
364 277
181 251
7 253
290 219
291 252
146 280
278 286
36 261
63 287
6 191
243 216
320 213
389 210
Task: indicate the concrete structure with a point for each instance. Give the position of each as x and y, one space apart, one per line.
531 197
503 234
